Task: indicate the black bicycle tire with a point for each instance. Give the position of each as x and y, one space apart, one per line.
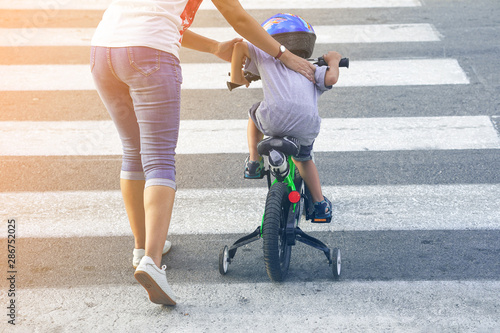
277 253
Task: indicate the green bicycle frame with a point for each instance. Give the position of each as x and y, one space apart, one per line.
289 183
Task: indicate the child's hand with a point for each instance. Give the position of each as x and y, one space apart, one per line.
224 50
332 58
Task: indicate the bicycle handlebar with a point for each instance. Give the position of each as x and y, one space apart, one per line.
344 62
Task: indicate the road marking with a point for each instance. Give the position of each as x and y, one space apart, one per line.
331 34
196 75
87 138
46 36
236 301
320 4
55 5
369 208
376 33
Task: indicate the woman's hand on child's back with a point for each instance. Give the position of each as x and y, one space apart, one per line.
298 64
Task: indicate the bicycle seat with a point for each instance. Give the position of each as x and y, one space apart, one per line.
287 145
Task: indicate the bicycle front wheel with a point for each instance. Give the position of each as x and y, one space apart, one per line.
276 251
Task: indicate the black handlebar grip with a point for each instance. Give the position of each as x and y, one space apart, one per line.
232 86
248 76
344 62
321 62
251 77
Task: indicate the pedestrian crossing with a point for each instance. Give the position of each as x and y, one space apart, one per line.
375 313
208 5
388 215
73 138
330 34
404 207
214 76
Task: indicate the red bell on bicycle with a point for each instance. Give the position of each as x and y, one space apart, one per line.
294 197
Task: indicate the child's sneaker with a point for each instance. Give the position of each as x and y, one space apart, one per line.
154 280
139 253
254 169
322 211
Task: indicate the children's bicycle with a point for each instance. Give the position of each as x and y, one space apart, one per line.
287 200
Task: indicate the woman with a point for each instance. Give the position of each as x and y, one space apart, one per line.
135 66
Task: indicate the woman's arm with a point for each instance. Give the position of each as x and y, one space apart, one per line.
247 27
240 55
198 42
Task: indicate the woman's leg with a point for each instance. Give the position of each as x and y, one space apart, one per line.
133 198
155 91
144 104
158 205
116 97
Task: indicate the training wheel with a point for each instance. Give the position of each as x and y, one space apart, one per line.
336 262
223 260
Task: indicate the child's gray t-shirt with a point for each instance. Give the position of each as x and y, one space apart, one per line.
290 105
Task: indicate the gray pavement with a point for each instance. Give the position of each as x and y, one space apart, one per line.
433 266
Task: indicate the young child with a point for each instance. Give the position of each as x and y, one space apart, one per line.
290 106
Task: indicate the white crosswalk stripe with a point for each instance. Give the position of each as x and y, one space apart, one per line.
331 34
208 5
379 311
197 76
408 207
229 136
382 214
320 4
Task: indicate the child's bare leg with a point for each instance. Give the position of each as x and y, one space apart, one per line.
253 137
309 173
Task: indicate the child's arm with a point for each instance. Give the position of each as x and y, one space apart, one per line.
332 58
238 59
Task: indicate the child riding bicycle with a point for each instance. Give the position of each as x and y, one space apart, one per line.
290 105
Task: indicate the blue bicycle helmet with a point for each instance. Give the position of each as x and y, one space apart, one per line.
293 31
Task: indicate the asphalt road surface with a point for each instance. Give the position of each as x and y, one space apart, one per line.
409 155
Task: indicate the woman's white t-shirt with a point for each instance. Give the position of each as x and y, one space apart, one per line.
158 24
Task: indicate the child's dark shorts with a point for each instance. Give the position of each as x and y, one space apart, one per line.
305 153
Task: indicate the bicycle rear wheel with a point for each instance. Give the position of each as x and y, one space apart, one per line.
276 251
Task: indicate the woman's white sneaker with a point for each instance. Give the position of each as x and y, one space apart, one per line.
154 280
139 253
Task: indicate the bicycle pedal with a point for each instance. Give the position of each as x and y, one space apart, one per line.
321 220
256 177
